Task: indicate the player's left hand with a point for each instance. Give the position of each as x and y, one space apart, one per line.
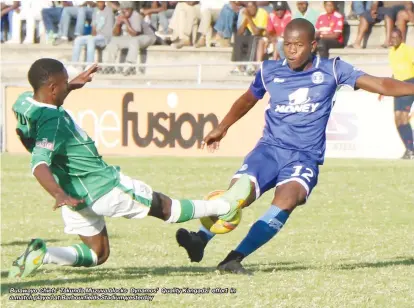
63 199
83 78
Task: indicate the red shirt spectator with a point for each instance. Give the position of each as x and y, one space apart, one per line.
278 19
331 23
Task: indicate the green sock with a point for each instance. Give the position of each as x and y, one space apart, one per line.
85 256
187 210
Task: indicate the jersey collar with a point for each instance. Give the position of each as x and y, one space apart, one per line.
35 102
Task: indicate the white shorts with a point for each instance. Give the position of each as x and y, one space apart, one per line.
130 199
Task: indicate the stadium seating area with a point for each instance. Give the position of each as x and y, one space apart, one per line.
206 64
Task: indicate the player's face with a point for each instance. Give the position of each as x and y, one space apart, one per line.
329 7
60 87
302 6
298 48
396 39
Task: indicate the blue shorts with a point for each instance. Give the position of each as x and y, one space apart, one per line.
404 103
270 166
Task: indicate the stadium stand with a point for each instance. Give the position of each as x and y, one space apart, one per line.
206 64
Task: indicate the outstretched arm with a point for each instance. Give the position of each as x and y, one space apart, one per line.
83 78
240 107
385 86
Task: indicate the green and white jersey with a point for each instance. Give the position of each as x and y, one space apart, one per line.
53 138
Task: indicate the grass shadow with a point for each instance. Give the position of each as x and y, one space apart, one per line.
399 261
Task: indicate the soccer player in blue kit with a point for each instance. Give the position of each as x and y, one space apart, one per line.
302 89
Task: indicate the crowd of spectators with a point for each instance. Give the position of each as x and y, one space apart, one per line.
132 26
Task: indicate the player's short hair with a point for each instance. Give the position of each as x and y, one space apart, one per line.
304 25
41 70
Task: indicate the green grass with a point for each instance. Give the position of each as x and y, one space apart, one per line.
352 245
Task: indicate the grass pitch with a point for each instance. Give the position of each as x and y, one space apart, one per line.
352 245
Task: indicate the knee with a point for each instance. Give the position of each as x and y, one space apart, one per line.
102 255
253 194
289 196
397 120
160 206
402 16
90 42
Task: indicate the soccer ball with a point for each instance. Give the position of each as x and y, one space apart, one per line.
216 225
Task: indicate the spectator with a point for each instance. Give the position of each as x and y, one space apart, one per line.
209 13
387 11
306 12
405 16
184 20
130 32
278 20
159 13
225 23
359 7
401 57
102 25
252 28
51 19
254 21
7 8
30 11
329 28
265 5
81 12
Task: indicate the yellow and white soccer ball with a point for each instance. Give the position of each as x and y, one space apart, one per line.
216 225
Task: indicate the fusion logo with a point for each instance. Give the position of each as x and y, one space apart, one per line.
171 134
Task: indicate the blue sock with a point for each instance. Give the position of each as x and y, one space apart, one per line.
406 135
263 230
206 234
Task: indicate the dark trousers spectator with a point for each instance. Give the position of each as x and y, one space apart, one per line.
325 44
359 7
51 19
225 22
162 19
6 24
388 14
81 14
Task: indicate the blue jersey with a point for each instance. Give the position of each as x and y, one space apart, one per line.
301 102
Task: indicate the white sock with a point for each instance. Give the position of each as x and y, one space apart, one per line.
203 208
60 256
200 208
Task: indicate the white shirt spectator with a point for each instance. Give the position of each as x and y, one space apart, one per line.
212 4
31 11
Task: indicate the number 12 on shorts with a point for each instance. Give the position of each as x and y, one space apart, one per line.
307 174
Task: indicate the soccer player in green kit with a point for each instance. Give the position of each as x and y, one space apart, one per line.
67 164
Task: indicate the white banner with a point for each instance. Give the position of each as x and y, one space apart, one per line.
361 126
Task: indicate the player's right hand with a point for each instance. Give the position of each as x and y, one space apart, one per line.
212 140
380 97
64 199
